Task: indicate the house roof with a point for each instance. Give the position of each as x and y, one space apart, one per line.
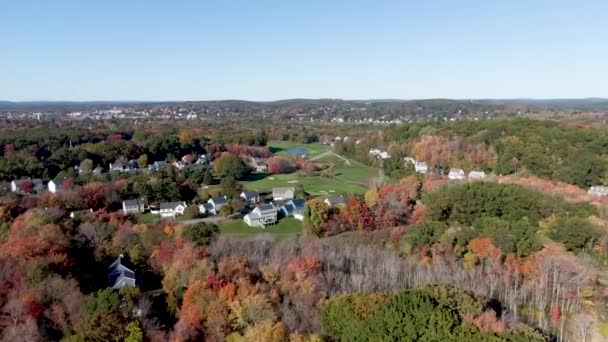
219 200
266 209
282 190
118 270
299 204
133 202
250 194
207 206
336 200
454 170
171 205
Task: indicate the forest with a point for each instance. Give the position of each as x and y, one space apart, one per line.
412 257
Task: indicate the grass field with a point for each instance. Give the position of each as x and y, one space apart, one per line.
147 218
276 146
285 226
348 178
313 185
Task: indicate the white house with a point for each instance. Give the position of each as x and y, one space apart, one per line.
378 154
120 275
55 185
27 185
456 174
283 194
250 197
419 166
477 175
172 209
598 190
262 216
295 207
133 206
259 164
205 208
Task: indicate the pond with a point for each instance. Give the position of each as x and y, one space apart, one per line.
298 150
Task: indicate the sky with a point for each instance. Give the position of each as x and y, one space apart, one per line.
269 50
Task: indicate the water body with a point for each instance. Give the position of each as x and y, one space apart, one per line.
298 150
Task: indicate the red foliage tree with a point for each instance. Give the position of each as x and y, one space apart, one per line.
279 165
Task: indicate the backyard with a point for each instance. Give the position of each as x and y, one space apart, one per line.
285 226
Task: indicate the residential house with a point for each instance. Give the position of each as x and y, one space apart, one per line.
27 185
283 193
80 213
335 201
172 209
456 174
117 166
55 185
98 171
133 206
477 175
204 159
295 207
213 205
250 196
180 165
119 275
378 154
598 190
206 208
262 216
157 165
419 166
259 165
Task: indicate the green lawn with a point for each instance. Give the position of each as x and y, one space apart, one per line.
276 146
147 218
315 185
286 225
356 171
348 179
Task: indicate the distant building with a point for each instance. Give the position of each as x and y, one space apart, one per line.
206 208
55 185
378 154
262 216
283 193
259 165
477 175
250 196
598 190
335 201
119 275
419 166
27 185
133 206
172 209
157 165
456 174
295 207
80 213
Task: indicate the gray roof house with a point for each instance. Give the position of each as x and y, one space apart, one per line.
119 275
157 165
172 209
262 216
295 208
250 196
133 206
205 208
335 201
20 185
218 203
55 185
283 193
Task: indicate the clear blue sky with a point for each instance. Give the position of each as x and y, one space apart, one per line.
267 50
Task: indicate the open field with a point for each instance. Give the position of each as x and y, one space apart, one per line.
314 185
285 226
276 146
356 172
